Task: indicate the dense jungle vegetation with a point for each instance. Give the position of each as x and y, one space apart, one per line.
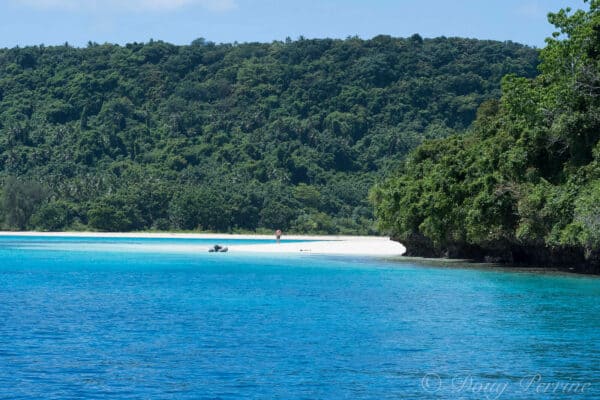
524 184
231 137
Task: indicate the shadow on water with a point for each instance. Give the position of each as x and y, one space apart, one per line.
474 265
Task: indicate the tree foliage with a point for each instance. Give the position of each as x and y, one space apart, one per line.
284 135
526 179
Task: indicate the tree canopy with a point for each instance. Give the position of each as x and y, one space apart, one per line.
524 184
226 137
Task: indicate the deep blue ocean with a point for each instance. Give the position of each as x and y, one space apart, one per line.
129 319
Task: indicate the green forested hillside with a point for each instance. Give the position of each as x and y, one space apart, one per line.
524 184
286 135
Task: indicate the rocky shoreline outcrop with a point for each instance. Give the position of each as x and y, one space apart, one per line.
571 259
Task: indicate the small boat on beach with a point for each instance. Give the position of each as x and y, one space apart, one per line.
218 249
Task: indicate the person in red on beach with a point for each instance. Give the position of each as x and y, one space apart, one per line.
278 234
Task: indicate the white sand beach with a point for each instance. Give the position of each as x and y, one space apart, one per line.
368 246
332 245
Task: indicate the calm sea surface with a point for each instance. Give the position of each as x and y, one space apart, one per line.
131 319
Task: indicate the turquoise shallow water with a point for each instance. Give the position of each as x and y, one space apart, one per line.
117 323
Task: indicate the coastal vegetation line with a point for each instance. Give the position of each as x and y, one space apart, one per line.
523 184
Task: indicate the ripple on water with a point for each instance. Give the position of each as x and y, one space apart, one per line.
147 324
